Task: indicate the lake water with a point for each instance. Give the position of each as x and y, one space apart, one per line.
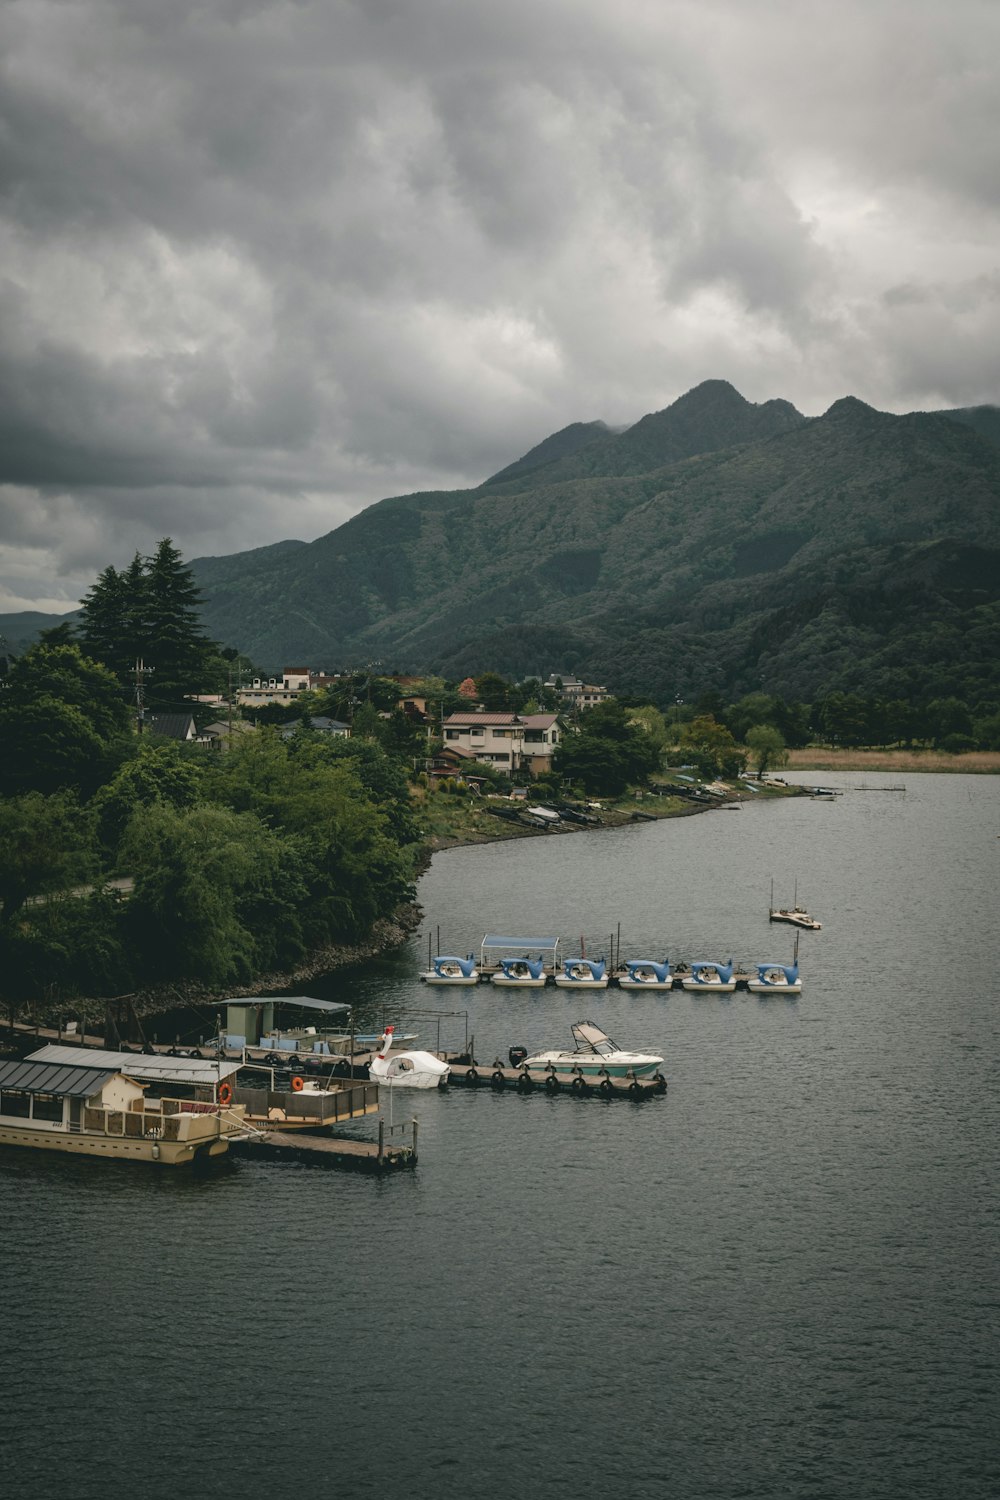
780 1279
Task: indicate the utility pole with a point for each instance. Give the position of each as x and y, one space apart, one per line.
141 672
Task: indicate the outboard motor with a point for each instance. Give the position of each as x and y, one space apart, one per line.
516 1056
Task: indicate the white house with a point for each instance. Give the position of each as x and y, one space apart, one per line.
508 741
576 693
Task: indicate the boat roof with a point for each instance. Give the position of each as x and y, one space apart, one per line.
156 1068
331 1007
589 1035
53 1078
497 940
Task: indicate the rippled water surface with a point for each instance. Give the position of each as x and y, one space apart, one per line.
777 1280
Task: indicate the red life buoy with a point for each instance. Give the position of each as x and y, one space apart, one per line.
298 1084
225 1094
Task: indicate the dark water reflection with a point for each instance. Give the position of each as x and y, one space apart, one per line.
778 1280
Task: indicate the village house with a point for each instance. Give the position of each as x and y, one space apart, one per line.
510 742
577 694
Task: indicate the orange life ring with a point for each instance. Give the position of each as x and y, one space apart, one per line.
225 1094
298 1084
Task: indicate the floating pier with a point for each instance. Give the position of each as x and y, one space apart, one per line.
497 1078
331 1151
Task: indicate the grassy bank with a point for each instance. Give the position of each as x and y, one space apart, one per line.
981 762
448 821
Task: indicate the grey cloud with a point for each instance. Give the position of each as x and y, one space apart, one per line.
264 263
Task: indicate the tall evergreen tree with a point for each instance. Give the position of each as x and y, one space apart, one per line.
177 650
104 630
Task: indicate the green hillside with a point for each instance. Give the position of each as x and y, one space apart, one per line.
716 544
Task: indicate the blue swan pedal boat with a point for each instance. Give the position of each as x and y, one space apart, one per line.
710 976
645 974
583 974
521 973
447 969
776 979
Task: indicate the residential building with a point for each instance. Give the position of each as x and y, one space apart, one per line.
508 741
321 724
577 694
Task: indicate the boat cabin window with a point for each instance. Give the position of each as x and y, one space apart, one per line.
13 1102
46 1107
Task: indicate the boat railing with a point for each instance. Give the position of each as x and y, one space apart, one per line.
163 1119
331 1105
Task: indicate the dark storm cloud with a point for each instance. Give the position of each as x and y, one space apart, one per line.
262 263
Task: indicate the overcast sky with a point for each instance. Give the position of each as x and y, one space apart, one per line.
264 263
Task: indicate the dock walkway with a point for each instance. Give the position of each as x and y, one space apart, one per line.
328 1151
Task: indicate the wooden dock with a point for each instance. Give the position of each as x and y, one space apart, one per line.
497 1079
330 1151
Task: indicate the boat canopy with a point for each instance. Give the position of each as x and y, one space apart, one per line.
591 1038
156 1068
29 1077
541 944
330 1007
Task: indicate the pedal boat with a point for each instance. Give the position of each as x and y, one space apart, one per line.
583 974
776 979
521 973
448 969
407 1069
710 976
645 974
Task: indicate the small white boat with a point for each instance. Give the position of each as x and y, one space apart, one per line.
645 974
583 974
794 914
595 1056
448 969
710 975
776 979
521 973
411 1070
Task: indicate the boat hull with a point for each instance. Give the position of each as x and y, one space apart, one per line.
519 984
432 978
565 983
710 986
637 1066
628 983
796 919
79 1143
759 987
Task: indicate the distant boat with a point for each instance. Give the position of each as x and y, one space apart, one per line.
447 969
645 974
710 975
794 914
583 973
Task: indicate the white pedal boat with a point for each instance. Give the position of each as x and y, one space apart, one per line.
645 974
712 976
409 1069
583 974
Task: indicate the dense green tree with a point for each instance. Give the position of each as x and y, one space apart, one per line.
217 894
712 749
767 748
62 722
493 692
599 766
47 845
159 772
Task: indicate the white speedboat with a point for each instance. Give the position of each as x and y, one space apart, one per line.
645 974
595 1056
712 976
410 1070
776 979
447 969
583 974
521 973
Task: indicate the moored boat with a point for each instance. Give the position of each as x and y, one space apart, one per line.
776 979
595 1056
446 968
93 1111
645 974
406 1069
521 973
796 915
711 975
583 973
